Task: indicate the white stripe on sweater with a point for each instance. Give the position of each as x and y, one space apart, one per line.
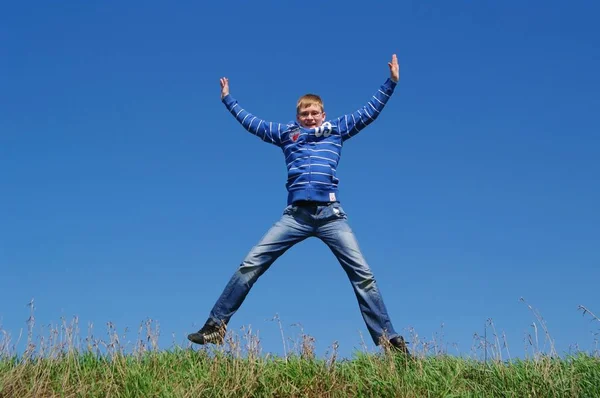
301 183
293 152
324 183
309 173
319 157
323 165
327 142
326 150
258 130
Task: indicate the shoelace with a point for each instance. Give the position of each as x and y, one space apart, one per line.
213 336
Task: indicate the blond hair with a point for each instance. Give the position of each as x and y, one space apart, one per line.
307 100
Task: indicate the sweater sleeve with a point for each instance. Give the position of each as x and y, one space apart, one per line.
267 131
351 124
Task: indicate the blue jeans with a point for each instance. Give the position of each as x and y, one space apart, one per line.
328 223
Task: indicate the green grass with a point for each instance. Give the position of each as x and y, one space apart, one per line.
62 364
190 373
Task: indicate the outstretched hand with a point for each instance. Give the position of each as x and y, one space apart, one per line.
394 69
224 87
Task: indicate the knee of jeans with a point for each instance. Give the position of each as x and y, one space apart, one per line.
253 263
367 282
247 272
248 265
255 258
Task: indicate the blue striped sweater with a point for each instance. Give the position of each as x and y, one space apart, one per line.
312 154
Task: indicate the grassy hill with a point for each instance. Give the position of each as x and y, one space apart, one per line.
62 364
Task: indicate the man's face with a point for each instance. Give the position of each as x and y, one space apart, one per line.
311 116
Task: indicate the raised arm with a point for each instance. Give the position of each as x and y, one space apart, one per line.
266 131
351 124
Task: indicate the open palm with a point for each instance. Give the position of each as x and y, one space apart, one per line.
394 68
224 87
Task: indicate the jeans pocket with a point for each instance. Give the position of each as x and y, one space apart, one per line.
338 211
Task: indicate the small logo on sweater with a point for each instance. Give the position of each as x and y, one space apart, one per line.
294 135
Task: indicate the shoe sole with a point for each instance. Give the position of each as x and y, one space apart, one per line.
200 339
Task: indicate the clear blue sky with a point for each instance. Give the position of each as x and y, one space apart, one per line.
128 192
